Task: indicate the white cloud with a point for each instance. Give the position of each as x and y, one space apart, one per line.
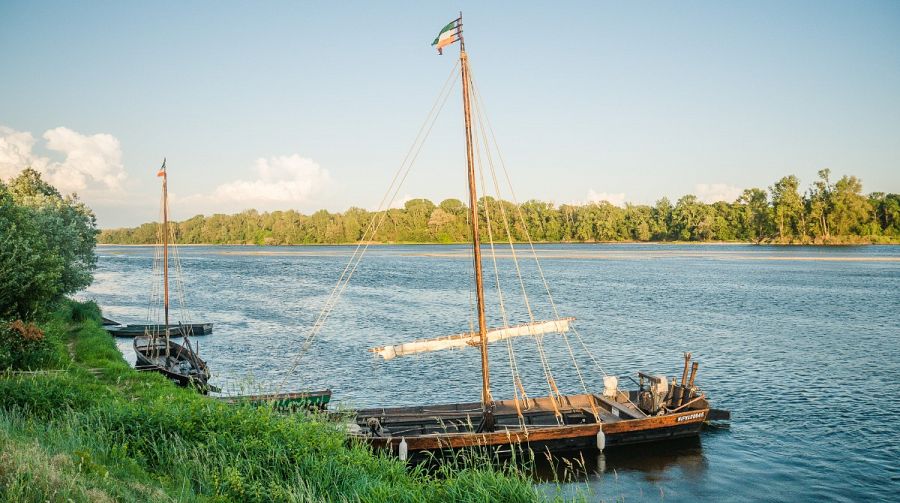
401 203
15 152
713 192
282 182
90 163
617 199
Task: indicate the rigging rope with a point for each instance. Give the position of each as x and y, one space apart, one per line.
363 245
487 213
534 253
545 364
184 312
525 227
482 118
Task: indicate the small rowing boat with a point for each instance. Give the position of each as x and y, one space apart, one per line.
188 329
285 402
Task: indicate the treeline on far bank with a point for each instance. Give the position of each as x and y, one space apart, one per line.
825 213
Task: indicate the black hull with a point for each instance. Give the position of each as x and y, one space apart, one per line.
659 440
108 322
617 441
182 366
190 329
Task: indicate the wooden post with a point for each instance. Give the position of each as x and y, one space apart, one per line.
486 399
677 399
688 391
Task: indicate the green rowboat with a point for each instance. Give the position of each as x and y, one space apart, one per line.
286 402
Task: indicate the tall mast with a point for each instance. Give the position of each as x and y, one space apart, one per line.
166 251
486 400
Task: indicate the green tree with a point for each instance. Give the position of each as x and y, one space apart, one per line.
661 222
29 271
756 215
687 216
69 225
638 221
818 204
788 207
723 221
886 211
46 245
788 217
850 210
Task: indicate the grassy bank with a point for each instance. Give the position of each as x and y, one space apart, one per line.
81 425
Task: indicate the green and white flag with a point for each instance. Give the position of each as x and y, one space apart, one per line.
447 36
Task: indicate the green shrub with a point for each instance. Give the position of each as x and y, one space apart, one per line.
23 346
84 311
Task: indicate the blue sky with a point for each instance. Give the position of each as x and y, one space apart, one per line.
311 105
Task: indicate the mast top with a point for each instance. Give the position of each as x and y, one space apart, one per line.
462 43
449 34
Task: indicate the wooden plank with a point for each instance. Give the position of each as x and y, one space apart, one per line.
630 413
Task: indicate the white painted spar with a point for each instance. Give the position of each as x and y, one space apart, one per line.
472 339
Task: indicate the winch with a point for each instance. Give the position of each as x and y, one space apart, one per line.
653 395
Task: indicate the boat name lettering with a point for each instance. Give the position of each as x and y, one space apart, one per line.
689 417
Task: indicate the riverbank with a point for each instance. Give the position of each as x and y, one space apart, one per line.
85 426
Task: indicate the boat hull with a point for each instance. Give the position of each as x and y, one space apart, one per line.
557 438
182 366
189 329
287 402
108 322
620 427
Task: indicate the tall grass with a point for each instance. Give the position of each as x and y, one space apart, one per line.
102 431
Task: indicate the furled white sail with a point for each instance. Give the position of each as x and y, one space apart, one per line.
472 339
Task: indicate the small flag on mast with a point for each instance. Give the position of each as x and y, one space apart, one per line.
448 35
162 170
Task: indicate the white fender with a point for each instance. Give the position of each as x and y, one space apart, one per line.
601 439
403 449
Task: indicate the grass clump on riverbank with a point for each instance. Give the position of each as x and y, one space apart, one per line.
83 426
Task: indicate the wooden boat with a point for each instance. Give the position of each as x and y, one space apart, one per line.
178 362
287 402
108 322
566 423
658 409
155 350
188 329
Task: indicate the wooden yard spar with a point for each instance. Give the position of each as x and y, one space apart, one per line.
463 340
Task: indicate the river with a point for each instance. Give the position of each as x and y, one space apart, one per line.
802 344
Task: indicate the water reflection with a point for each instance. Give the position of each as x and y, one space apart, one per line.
651 461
